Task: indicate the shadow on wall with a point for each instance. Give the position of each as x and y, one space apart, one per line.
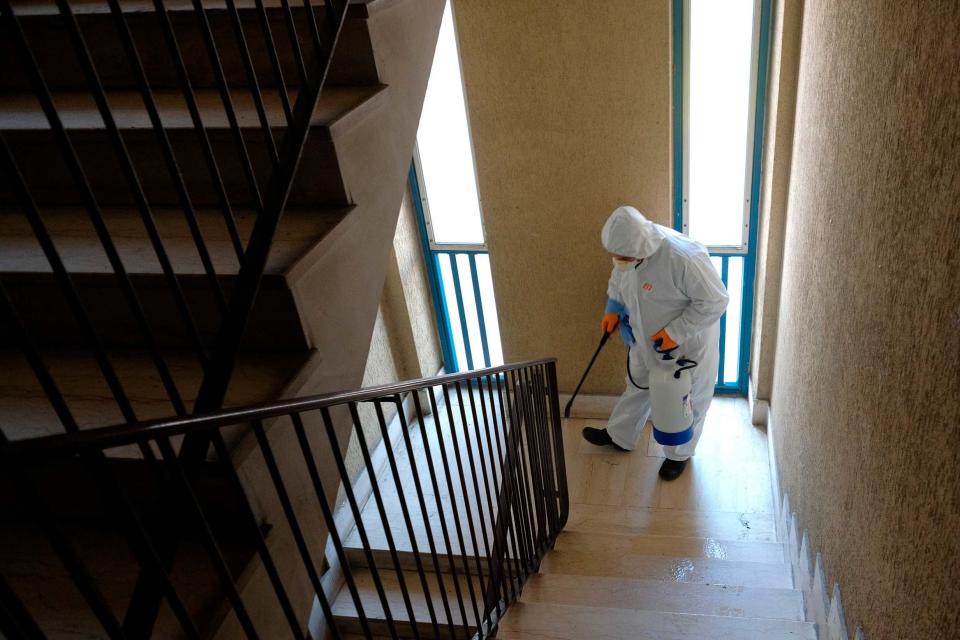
405 344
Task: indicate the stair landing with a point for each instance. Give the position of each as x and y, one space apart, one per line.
697 558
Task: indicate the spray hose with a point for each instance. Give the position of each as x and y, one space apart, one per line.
630 375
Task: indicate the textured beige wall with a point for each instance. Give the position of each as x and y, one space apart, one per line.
410 277
777 153
405 344
866 397
569 107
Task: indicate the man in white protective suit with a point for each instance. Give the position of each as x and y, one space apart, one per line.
665 296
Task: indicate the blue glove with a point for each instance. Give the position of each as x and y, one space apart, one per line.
626 332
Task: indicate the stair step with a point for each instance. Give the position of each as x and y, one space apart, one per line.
525 621
449 503
26 412
29 563
671 546
602 562
28 134
724 525
380 548
81 251
28 278
345 612
658 595
70 492
353 64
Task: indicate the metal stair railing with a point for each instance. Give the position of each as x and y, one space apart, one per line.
474 511
312 59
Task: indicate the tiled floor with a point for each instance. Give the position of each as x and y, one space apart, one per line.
644 559
730 471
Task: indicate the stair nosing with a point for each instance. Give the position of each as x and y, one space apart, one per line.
171 102
508 627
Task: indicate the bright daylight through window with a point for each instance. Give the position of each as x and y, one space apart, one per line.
446 158
451 209
719 75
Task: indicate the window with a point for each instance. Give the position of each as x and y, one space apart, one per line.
443 181
720 51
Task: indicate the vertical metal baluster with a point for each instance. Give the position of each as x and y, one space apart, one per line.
189 500
512 471
81 577
294 524
254 84
126 166
556 431
504 494
548 449
42 93
274 60
294 41
426 516
527 504
143 549
545 450
213 389
510 476
724 276
15 619
455 274
536 457
169 159
488 549
36 362
330 521
186 90
384 520
533 447
401 497
484 343
478 498
314 28
557 426
262 550
223 88
328 4
358 519
495 586
73 300
523 422
453 499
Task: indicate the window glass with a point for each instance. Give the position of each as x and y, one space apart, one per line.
720 47
446 156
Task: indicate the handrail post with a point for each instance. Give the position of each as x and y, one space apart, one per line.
556 424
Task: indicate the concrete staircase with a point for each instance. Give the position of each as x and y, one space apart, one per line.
695 559
323 280
637 583
617 571
313 319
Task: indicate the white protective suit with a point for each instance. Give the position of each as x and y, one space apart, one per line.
675 287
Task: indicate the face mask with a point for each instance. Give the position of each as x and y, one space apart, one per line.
624 265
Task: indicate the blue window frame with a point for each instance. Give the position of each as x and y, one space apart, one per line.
737 265
462 288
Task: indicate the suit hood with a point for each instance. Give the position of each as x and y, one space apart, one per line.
628 233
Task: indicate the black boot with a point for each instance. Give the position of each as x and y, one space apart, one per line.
600 437
671 469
